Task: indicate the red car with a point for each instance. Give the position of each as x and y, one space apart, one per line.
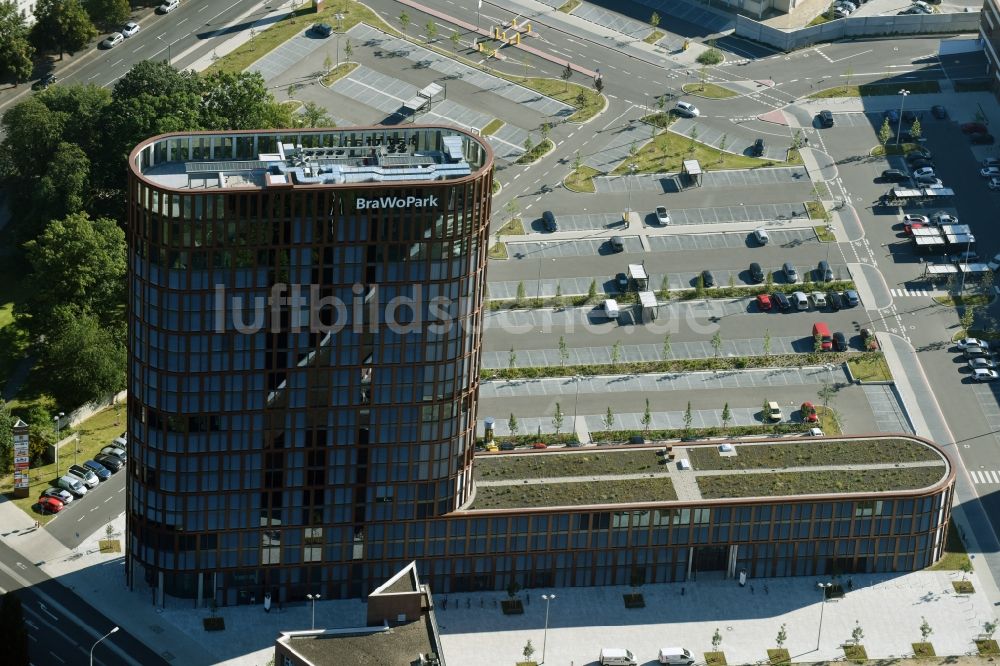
539 445
764 302
808 413
49 505
974 128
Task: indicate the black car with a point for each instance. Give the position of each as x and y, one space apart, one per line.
980 139
621 280
506 446
783 303
823 271
825 119
939 112
321 30
756 273
920 163
44 82
707 279
909 116
549 221
894 176
834 300
757 149
839 341
111 463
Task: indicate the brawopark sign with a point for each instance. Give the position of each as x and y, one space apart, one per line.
364 203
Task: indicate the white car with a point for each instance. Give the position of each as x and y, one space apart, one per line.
984 363
113 40
922 7
662 216
818 299
760 234
984 375
168 6
130 29
816 432
923 171
990 161
972 342
989 172
916 219
687 110
994 183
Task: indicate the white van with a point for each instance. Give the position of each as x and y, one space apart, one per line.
677 656
73 485
611 308
617 657
800 300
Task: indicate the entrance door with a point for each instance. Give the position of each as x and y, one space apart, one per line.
710 558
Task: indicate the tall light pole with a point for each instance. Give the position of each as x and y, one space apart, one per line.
57 421
313 598
545 634
576 400
628 209
169 44
98 641
822 605
899 125
968 248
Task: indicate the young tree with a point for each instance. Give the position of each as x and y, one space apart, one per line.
654 21
703 75
528 650
545 130
581 99
647 418
528 144
665 352
512 209
616 353
512 425
327 64
694 138
577 162
968 318
592 290
521 294
688 419
769 280
61 26
17 52
916 130
716 640
404 20
767 342
557 419
885 132
109 14
598 84
456 39
857 633
557 302
817 343
664 293
989 628
512 358
314 115
699 286
825 393
608 420
563 351
566 74
727 417
782 636
432 30
925 629
348 49
732 280
717 342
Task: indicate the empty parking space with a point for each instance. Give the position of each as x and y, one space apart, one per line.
456 70
681 243
612 20
716 137
755 177
744 213
886 407
290 53
640 182
569 248
691 12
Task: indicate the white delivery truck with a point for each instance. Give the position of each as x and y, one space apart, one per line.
676 656
617 657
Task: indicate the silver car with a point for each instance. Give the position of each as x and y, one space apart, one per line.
85 475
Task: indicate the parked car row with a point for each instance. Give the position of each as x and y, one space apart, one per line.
81 478
116 38
802 302
979 358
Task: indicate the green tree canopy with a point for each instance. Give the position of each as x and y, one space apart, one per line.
65 188
85 361
77 266
61 26
235 101
109 14
17 51
6 439
32 134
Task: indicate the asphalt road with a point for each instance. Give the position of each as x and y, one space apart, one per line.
62 626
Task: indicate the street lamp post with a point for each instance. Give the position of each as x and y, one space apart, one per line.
628 209
545 634
169 44
899 125
57 421
968 248
576 399
98 641
822 605
313 598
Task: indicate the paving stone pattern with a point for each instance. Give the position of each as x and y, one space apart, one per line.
885 404
281 59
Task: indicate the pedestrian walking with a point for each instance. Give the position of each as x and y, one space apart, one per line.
765 589
751 588
850 584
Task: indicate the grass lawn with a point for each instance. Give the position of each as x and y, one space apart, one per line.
809 483
496 186
569 6
963 587
822 18
492 127
828 421
293 105
923 650
824 235
975 300
110 545
668 150
709 90
817 211
654 37
623 491
661 120
578 463
511 228
498 251
537 152
339 72
566 92
855 653
715 659
870 367
836 91
778 656
954 557
95 433
806 453
582 179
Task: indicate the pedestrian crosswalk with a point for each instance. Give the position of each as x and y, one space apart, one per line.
985 476
909 292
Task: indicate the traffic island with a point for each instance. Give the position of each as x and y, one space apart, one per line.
715 659
855 653
963 587
923 650
987 647
778 657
